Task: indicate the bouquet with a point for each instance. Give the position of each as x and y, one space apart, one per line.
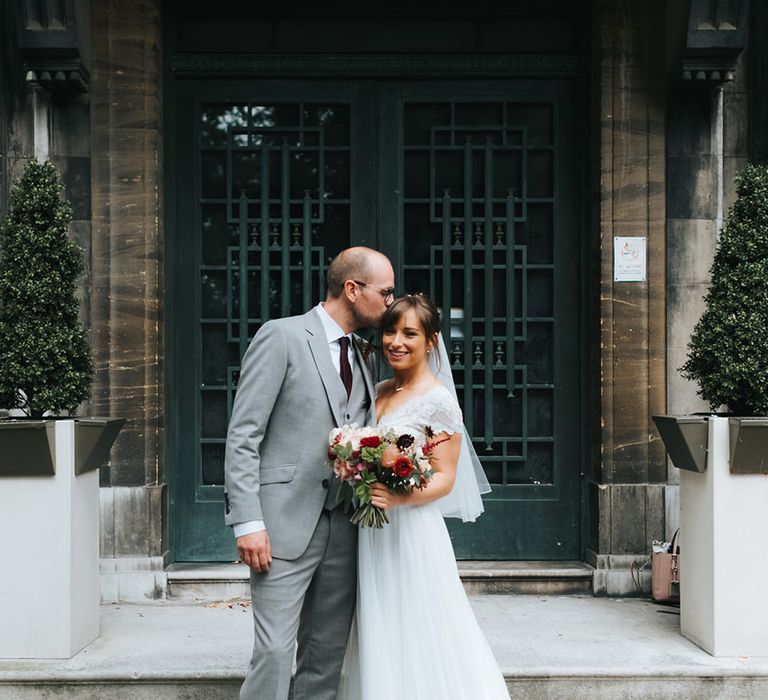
361 457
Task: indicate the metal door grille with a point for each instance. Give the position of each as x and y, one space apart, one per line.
479 213
274 209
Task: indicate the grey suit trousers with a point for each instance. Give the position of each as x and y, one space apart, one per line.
311 594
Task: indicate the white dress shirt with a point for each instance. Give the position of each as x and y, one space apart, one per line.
333 332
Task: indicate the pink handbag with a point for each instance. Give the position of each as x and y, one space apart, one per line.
665 573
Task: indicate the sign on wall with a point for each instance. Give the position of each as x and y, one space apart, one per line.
629 259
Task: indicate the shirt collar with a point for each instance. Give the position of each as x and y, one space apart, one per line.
333 331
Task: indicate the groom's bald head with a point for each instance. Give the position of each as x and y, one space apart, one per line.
358 263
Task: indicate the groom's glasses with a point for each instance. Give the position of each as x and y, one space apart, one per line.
386 292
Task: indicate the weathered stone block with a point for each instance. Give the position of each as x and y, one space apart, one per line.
681 393
107 521
654 513
628 519
732 166
735 141
690 250
599 497
691 187
76 178
630 188
132 523
685 304
71 126
671 509
689 123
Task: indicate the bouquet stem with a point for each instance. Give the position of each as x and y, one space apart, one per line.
368 515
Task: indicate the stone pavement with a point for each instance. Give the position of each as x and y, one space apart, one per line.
547 646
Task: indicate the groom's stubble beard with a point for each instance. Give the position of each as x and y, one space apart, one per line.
362 320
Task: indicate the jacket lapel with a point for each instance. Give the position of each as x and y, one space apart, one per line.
366 369
318 346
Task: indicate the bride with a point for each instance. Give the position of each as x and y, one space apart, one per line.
415 636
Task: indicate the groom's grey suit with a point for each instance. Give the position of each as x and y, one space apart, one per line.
289 398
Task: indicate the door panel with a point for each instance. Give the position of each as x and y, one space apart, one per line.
265 194
486 175
469 188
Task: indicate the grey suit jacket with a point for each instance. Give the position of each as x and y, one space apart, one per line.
289 398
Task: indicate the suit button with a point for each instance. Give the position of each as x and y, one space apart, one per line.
326 483
348 416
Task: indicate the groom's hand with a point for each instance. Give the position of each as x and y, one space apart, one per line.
256 550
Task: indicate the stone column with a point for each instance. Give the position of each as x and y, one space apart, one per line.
627 489
126 121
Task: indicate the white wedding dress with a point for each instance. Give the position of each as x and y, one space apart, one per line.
415 636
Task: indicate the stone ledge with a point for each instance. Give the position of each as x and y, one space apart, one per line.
469 568
529 569
199 582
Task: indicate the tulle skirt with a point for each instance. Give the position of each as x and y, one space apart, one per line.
415 636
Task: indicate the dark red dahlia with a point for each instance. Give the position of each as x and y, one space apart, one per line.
372 441
405 441
402 467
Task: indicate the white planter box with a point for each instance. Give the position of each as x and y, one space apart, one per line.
724 554
49 558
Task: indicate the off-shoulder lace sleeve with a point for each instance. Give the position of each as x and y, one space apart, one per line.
441 413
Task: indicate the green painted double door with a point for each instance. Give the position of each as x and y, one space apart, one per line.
470 187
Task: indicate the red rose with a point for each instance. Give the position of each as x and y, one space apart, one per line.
372 441
402 467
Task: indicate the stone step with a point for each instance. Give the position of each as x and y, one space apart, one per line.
213 582
553 647
526 577
544 687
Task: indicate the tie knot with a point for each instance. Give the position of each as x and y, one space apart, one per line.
344 342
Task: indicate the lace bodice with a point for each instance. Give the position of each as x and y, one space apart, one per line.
436 408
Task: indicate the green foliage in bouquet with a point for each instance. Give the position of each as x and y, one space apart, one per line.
45 360
728 351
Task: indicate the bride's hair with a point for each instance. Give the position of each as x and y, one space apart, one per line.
425 309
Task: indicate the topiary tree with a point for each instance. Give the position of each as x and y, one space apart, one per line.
45 361
728 351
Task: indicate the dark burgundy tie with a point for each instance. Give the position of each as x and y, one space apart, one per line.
344 369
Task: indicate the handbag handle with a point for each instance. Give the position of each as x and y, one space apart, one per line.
674 546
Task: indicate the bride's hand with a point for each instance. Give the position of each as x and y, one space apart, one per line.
382 497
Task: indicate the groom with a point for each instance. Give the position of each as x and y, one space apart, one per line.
301 377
